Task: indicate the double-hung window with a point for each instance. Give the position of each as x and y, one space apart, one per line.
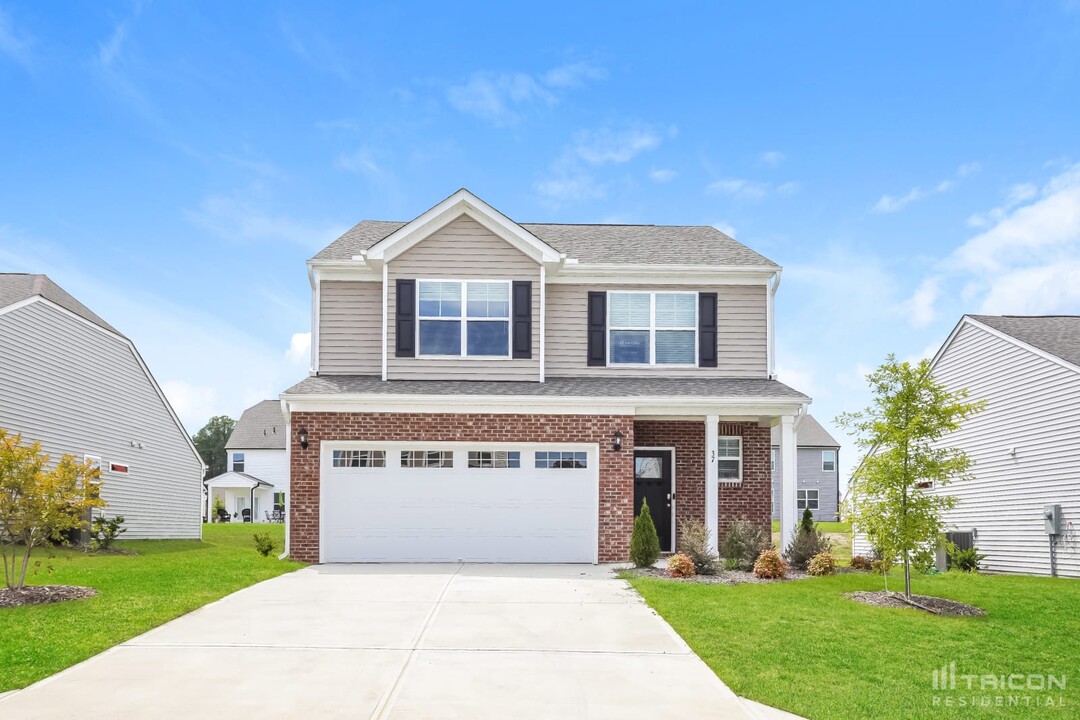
807 499
652 328
464 318
729 459
828 461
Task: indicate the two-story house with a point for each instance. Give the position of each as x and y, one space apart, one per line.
817 471
493 391
256 478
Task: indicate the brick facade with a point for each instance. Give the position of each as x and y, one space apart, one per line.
751 499
616 468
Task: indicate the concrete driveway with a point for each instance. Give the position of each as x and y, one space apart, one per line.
396 641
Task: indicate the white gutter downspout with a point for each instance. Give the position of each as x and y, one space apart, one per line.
771 322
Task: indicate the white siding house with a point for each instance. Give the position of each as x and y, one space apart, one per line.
1025 445
256 476
72 382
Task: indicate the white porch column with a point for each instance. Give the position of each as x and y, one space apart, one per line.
712 480
788 507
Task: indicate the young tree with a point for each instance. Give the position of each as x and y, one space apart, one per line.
39 503
210 442
900 433
644 542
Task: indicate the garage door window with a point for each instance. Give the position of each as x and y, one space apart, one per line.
359 458
494 459
561 459
427 458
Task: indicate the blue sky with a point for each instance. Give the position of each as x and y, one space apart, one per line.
173 164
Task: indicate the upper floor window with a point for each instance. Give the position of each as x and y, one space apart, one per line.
828 460
652 328
464 318
238 462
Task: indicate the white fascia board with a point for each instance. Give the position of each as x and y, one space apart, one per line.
347 270
461 203
968 320
587 273
134 352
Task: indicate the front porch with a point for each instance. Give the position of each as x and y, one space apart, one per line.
238 497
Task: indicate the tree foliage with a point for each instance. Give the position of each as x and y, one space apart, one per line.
39 503
894 495
210 442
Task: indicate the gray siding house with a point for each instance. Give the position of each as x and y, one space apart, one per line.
817 471
73 382
1025 444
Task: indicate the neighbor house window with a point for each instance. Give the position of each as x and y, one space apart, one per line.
772 459
483 307
561 459
808 499
828 460
359 458
729 458
238 462
118 468
279 501
427 458
652 328
94 461
494 459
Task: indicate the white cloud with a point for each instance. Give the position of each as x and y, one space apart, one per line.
608 145
772 158
570 187
969 168
14 43
500 97
191 402
662 175
893 203
238 217
299 352
739 188
573 75
920 306
361 161
109 50
1019 193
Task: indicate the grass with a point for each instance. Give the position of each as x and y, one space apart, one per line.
166 579
803 647
825 527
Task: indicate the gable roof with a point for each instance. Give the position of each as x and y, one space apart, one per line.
16 287
810 434
261 427
592 244
1058 335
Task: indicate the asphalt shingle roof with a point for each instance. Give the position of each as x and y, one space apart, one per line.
605 244
1056 334
261 427
810 434
552 387
16 287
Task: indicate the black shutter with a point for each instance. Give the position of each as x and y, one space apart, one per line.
597 329
706 329
522 328
405 319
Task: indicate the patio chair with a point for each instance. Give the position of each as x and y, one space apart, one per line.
245 514
267 514
222 515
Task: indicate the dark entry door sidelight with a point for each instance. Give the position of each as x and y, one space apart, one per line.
652 482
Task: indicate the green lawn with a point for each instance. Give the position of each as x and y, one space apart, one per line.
803 647
826 527
135 593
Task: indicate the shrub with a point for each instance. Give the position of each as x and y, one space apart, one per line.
860 562
805 545
744 543
219 507
694 542
770 566
264 544
807 522
681 566
732 563
965 560
821 564
104 530
644 543
881 567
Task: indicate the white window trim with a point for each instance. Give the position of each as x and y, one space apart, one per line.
772 459
232 461
825 469
464 318
126 466
359 467
805 500
651 329
95 461
720 457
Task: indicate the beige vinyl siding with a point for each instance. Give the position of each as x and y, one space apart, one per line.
350 328
1032 404
742 332
80 390
463 250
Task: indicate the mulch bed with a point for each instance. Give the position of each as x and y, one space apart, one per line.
933 605
724 577
41 594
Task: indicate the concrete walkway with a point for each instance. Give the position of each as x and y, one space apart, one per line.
393 641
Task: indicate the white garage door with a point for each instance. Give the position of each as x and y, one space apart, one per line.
450 502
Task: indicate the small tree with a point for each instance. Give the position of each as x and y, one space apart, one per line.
39 504
644 542
901 433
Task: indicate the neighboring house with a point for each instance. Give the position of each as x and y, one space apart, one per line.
256 477
73 382
1024 445
492 391
817 472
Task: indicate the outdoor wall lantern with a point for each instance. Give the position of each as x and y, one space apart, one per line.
302 434
616 444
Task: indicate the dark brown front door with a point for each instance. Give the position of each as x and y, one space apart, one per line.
652 482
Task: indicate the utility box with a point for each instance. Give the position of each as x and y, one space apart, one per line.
1052 519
